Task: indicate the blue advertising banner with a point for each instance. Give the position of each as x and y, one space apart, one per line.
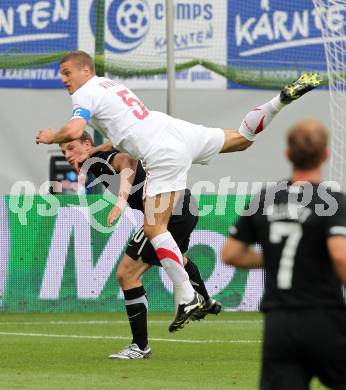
32 27
277 34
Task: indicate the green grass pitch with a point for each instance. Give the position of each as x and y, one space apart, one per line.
69 351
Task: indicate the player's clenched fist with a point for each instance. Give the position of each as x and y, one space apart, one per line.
45 136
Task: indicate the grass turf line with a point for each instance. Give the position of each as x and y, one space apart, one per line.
40 363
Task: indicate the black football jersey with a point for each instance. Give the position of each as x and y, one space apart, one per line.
101 168
292 223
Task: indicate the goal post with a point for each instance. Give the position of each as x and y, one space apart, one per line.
99 50
171 86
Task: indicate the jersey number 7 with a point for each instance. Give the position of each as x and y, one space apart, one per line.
140 114
293 232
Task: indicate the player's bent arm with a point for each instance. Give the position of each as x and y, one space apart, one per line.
106 147
71 131
240 254
337 250
126 167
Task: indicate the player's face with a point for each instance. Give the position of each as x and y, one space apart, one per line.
74 150
73 76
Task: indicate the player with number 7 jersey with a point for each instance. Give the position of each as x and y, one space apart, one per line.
300 225
292 235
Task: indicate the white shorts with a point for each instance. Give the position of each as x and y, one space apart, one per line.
178 145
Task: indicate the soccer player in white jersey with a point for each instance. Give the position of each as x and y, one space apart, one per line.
167 147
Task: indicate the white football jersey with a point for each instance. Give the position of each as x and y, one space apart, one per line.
116 112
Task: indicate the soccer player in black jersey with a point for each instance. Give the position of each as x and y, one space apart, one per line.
301 227
140 255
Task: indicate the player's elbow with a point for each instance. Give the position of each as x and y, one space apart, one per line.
228 259
239 254
229 256
231 251
233 260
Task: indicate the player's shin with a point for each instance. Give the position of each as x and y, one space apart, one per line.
136 307
196 279
256 120
171 259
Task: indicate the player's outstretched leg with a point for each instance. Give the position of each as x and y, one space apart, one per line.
256 120
211 305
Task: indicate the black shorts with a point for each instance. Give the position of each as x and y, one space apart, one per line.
301 344
180 226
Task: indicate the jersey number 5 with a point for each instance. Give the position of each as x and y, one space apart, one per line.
130 101
293 232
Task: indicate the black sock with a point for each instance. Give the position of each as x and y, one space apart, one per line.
196 279
137 306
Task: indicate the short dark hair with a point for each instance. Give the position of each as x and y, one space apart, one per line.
84 137
80 58
307 142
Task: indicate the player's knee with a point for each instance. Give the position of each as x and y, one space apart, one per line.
123 276
151 231
127 277
235 142
120 275
245 146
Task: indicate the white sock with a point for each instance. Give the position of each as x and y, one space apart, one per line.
171 259
257 119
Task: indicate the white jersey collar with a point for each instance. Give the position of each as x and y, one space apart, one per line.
89 82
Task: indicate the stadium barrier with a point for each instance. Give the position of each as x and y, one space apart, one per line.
56 255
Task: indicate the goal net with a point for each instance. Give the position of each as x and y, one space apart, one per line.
332 16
